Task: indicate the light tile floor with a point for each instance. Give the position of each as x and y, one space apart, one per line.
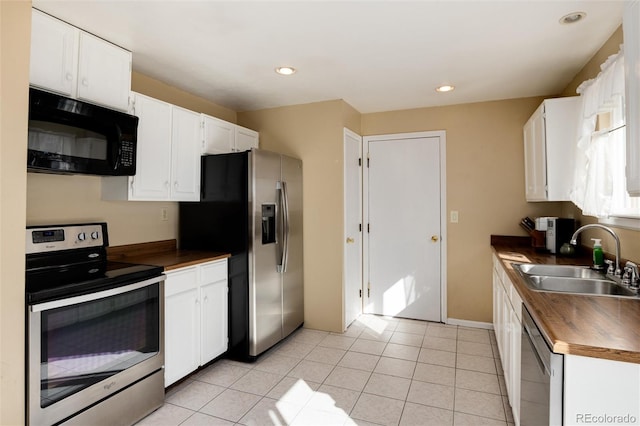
381 371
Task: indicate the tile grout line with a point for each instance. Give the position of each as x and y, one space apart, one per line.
348 350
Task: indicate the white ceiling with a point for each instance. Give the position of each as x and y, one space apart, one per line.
375 55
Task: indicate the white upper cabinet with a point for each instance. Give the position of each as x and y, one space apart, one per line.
549 147
245 139
219 136
185 155
69 61
104 72
54 54
153 156
631 26
167 157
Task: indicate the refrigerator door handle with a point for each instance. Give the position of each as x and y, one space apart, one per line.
285 226
282 206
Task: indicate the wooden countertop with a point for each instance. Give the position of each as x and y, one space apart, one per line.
593 326
162 253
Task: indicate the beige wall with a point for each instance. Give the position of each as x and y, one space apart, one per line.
485 184
485 181
313 133
53 199
157 89
15 33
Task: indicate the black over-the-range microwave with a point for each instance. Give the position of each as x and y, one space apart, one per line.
70 136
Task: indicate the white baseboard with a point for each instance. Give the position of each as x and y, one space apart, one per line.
472 324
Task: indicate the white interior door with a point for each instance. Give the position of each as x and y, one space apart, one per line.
404 203
352 278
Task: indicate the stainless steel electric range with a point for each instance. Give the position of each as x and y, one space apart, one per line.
95 338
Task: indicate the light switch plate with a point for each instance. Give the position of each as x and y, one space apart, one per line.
454 216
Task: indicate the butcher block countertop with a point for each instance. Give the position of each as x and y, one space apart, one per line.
162 253
593 326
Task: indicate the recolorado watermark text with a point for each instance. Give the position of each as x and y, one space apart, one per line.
605 419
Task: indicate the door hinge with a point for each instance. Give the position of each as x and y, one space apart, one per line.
360 293
368 161
368 228
360 162
360 227
369 289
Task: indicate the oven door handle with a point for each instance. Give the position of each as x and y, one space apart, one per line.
40 307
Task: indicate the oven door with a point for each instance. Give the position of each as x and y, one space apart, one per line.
86 348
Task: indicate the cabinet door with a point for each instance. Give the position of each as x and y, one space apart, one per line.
214 325
214 320
505 355
185 155
534 157
182 324
499 307
218 135
54 54
515 349
104 72
245 139
153 160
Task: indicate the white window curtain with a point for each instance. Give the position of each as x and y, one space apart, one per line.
603 96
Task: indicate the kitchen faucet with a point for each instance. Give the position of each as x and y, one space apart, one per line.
617 271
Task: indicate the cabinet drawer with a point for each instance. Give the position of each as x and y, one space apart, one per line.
181 280
212 272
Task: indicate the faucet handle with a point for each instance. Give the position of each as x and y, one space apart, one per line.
610 269
630 276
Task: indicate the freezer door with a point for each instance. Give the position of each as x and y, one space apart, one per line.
293 281
265 291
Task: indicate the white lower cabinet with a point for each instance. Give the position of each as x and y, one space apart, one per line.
507 323
195 318
600 391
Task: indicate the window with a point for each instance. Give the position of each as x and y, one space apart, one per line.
599 187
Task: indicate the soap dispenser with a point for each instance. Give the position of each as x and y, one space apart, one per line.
598 254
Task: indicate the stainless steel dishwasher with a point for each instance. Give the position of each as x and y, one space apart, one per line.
540 378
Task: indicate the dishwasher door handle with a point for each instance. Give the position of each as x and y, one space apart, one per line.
541 364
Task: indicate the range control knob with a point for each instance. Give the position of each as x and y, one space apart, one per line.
82 236
94 235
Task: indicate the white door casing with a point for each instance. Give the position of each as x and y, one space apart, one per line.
405 227
352 243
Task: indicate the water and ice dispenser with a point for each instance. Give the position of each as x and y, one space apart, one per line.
268 223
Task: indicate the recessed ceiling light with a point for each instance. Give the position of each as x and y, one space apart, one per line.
285 70
445 88
573 17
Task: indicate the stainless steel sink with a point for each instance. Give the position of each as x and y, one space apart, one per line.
560 271
570 279
599 287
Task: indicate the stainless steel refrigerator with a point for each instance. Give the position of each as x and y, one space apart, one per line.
251 206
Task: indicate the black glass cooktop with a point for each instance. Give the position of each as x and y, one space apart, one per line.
63 281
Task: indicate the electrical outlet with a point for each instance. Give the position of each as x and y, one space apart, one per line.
164 214
454 216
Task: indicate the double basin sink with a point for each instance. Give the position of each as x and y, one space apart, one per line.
570 279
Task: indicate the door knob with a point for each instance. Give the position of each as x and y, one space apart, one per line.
434 238
350 240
